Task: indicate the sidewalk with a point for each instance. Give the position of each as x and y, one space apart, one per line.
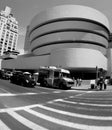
88 88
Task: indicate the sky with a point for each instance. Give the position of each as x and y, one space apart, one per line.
25 10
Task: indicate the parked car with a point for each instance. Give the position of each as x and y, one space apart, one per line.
35 76
2 74
22 79
7 75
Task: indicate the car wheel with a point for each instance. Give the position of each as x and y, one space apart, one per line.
32 86
22 84
61 86
11 81
45 84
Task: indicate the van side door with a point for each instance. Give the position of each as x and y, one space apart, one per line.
50 78
56 79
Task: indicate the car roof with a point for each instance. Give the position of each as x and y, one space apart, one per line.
18 72
26 73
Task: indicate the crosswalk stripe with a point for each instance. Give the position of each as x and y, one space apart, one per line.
4 90
3 126
88 104
75 114
25 121
94 98
57 92
16 94
67 123
105 118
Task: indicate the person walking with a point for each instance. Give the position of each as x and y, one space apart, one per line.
105 83
92 83
101 82
80 82
77 82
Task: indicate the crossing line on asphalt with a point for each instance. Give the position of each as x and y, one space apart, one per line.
104 118
57 91
67 123
3 126
16 94
25 121
22 94
12 112
5 90
35 126
87 104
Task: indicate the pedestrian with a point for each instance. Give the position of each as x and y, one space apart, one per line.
92 83
101 82
105 83
74 80
80 82
77 82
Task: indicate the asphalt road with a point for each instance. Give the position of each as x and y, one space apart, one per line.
41 108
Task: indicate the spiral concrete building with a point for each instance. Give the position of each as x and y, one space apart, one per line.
71 36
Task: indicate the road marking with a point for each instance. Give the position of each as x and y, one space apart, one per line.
20 94
44 93
3 126
57 92
30 124
74 114
46 88
77 90
4 90
80 94
87 104
83 93
17 94
67 123
95 98
58 111
25 121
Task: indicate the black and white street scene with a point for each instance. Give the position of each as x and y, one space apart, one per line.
55 65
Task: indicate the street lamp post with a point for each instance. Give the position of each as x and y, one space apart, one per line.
96 74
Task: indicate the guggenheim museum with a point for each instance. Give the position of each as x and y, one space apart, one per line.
74 37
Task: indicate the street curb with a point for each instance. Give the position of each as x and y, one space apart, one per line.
88 88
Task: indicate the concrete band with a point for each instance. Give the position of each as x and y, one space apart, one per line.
69 26
71 36
69 11
68 23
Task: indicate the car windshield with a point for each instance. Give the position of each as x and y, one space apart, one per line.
56 74
65 75
28 76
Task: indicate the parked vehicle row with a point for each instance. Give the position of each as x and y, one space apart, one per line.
18 77
23 79
45 76
5 74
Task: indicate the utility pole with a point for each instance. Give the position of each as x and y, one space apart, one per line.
96 74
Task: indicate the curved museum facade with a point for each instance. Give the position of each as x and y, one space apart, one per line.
71 36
